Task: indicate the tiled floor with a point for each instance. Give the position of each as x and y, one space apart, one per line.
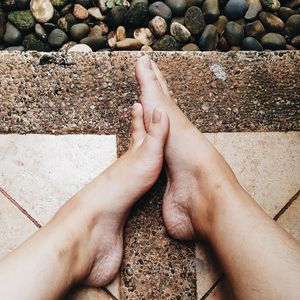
38 173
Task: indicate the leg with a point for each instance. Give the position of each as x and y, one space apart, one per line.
204 199
83 242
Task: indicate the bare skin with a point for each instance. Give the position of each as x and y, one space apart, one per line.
83 242
203 199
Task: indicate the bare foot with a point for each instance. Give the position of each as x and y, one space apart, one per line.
196 172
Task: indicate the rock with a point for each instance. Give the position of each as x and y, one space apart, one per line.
292 26
102 5
65 23
271 22
285 12
121 33
137 15
220 24
13 36
80 48
160 9
273 41
56 16
80 12
8 5
211 10
96 13
194 20
190 47
22 19
15 48
104 28
178 7
235 48
158 26
209 38
251 44
79 31
190 3
96 30
294 4
270 5
129 44
179 20
255 29
234 33
296 41
146 48
49 27
95 42
115 16
134 2
235 9
31 42
144 35
59 3
65 10
22 4
65 47
85 3
253 10
57 38
40 32
42 10
180 32
112 39
223 44
2 25
165 43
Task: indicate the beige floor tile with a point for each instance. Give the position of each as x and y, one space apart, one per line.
267 165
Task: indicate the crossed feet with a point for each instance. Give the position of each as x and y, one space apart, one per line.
198 177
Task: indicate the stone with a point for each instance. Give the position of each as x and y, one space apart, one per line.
79 31
42 10
8 5
13 36
179 20
115 16
209 38
80 12
144 35
165 43
96 13
253 10
65 10
15 48
95 42
158 26
56 16
234 33
102 5
80 48
220 24
40 32
235 9
180 32
146 48
121 33
273 41
296 41
194 20
65 23
254 29
104 28
57 38
251 44
2 25
190 47
271 22
22 4
271 5
59 3
22 19
160 9
292 26
178 7
223 44
31 42
190 3
137 15
49 27
112 39
96 30
85 3
211 10
129 44
285 12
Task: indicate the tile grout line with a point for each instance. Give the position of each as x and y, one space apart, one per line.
20 208
275 218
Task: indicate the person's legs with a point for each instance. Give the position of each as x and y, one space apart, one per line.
83 242
204 199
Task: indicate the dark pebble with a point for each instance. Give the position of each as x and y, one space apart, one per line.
251 44
209 38
23 19
165 43
85 3
115 16
178 7
234 33
31 42
255 29
194 20
2 25
292 26
273 41
95 42
137 16
190 3
211 10
296 41
79 31
13 36
235 9
271 22
160 9
57 38
22 4
285 12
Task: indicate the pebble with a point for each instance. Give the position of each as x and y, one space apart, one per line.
273 41
79 31
178 7
116 15
234 33
31 42
40 32
220 24
255 29
137 15
253 10
235 9
160 9
223 44
15 48
144 35
22 4
285 12
85 3
80 48
158 26
42 10
296 41
13 36
190 47
180 32
2 25
211 10
65 23
80 12
271 22
112 39
194 20
59 3
251 44
96 30
129 44
96 13
23 19
146 48
57 38
292 26
209 38
271 5
166 43
65 10
190 3
121 33
95 42
102 5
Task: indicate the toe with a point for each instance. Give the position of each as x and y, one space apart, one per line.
138 128
161 78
